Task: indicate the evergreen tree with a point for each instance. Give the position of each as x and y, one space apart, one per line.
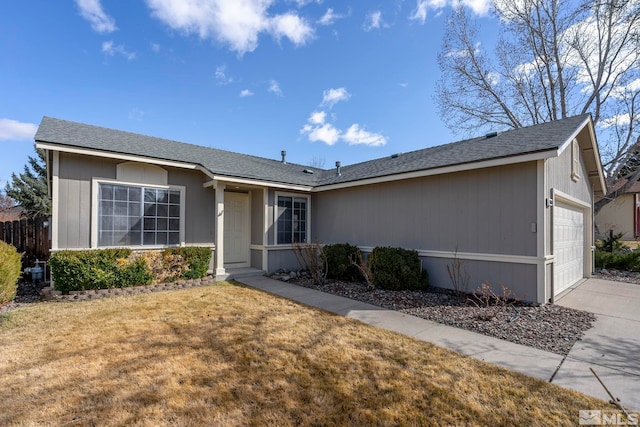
29 189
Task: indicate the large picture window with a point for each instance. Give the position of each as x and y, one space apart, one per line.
138 216
292 220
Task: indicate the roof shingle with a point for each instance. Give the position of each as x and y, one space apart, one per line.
517 142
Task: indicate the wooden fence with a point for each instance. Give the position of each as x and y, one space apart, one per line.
29 236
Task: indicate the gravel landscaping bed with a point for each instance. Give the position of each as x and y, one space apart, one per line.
547 327
618 275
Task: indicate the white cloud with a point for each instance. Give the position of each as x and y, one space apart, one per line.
110 49
317 129
293 27
245 92
479 7
331 97
221 75
326 133
155 47
373 20
92 11
235 23
403 84
15 130
355 135
329 17
274 87
317 117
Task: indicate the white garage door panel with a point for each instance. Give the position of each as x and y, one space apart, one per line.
568 245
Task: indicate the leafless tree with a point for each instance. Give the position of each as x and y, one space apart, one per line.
553 59
317 162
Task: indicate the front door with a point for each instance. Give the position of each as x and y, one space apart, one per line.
236 230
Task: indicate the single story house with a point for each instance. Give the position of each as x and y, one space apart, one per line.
514 207
622 214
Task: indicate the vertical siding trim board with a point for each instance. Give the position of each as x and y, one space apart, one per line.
55 196
265 229
542 229
220 229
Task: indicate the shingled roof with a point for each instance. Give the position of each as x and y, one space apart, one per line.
534 139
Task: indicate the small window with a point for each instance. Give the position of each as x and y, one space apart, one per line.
292 217
575 160
138 216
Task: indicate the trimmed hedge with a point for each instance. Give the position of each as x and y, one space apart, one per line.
397 269
339 267
120 268
10 265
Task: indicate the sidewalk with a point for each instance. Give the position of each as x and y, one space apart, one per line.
611 347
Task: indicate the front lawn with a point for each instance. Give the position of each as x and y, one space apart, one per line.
229 355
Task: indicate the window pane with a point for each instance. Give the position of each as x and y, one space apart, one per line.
106 207
163 196
174 225
149 209
150 195
161 223
162 238
163 210
105 238
174 211
134 209
120 208
149 224
149 239
174 238
174 197
135 224
106 192
135 194
121 193
134 238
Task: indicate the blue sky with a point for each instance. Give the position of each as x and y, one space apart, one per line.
324 80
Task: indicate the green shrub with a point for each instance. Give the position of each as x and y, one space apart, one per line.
618 260
397 268
10 266
197 259
339 266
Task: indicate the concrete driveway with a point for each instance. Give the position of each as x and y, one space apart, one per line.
611 347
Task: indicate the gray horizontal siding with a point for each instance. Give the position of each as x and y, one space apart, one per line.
481 211
74 202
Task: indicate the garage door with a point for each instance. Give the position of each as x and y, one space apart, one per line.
568 245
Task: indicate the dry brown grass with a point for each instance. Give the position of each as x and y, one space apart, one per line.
228 355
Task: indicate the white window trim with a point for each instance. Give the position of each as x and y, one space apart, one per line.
95 182
275 215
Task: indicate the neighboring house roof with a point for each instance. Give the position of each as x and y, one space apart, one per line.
545 137
635 187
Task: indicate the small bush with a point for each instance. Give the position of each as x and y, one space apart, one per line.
10 266
611 243
196 258
397 269
618 260
338 264
92 269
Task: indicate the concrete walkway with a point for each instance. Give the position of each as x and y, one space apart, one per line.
572 373
611 347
